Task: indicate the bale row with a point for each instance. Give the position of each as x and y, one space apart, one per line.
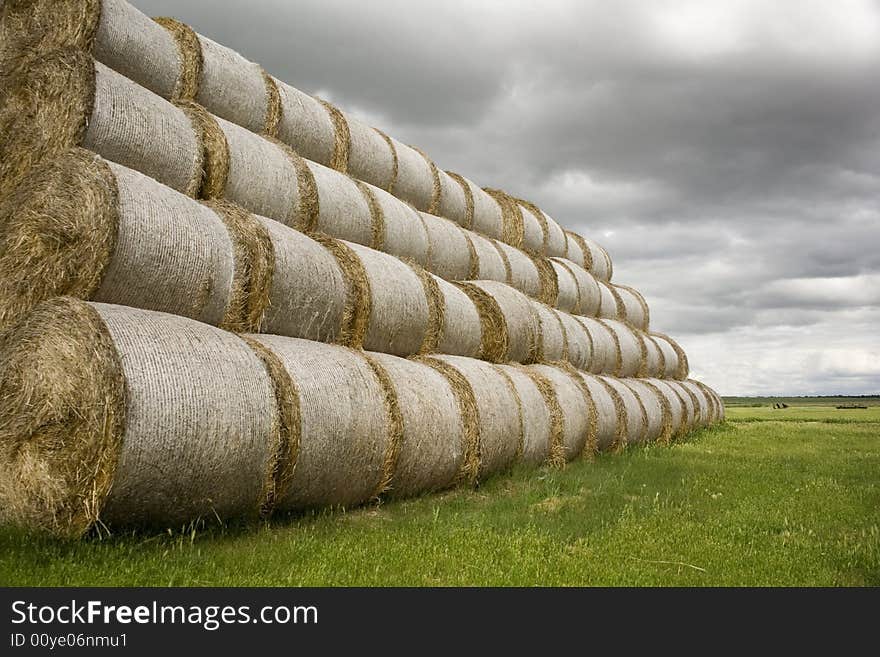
126 417
82 226
170 59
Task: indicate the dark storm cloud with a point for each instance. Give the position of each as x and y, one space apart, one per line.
727 153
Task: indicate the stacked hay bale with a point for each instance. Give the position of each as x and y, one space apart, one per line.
221 297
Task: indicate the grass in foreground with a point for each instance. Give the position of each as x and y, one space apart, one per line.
785 497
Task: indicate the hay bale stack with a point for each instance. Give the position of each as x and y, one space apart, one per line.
678 414
490 264
630 349
523 272
589 294
579 343
462 331
655 359
511 327
372 155
553 240
418 180
499 415
568 297
636 413
579 427
132 417
451 255
398 228
611 304
674 357
605 354
541 415
702 404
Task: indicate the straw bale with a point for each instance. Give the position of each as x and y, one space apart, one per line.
524 274
535 230
554 343
568 297
579 343
636 413
305 124
676 404
633 354
605 349
703 412
578 409
350 432
433 443
449 248
655 359
675 359
341 137
600 261
488 215
657 409
406 234
523 327
611 415
589 294
541 415
513 230
462 332
577 251
635 309
490 264
371 158
456 199
611 306
415 178
500 428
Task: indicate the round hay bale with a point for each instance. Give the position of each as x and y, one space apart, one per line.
405 232
500 421
535 233
232 87
415 177
677 408
702 405
674 357
557 244
657 409
554 344
636 414
524 274
309 288
691 404
456 200
450 250
433 442
577 251
600 261
578 410
490 264
461 334
655 359
398 309
341 137
589 294
519 316
123 416
611 304
635 309
64 98
568 299
611 418
371 158
81 226
349 429
542 417
714 403
605 349
488 218
117 33
512 218
494 338
633 352
578 342
305 125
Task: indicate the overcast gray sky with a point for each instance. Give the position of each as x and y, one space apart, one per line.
727 153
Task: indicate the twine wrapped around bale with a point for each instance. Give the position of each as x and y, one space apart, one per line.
433 442
543 423
611 418
611 305
600 261
341 137
577 250
535 230
358 296
63 99
351 426
657 410
702 405
674 356
406 233
633 354
131 419
636 414
449 247
524 274
715 404
692 405
500 425
578 409
519 317
488 217
549 283
415 182
655 359
189 52
305 124
635 309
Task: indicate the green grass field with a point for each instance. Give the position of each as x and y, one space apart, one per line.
773 497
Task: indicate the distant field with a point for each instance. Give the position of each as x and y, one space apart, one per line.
773 497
